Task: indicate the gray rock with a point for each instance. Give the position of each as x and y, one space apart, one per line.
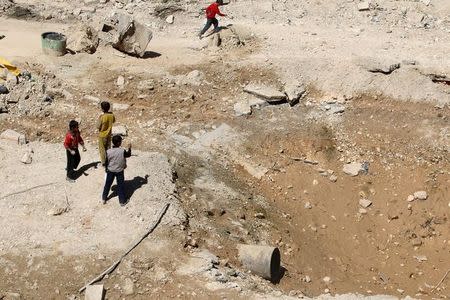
337 109
333 178
268 93
365 203
294 93
421 195
3 89
94 292
242 108
119 130
14 136
352 169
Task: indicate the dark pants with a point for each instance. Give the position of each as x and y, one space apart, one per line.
72 163
208 24
120 185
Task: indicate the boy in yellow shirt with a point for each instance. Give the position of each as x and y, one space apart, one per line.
104 125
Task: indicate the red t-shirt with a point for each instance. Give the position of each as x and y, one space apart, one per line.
213 10
72 140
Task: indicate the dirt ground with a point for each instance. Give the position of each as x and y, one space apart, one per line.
273 177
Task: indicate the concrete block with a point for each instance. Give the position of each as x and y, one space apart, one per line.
94 292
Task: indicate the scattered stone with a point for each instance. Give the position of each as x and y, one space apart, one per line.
119 130
260 216
362 211
242 108
420 258
315 182
128 287
146 85
384 69
308 205
426 2
352 169
410 198
120 81
364 5
120 106
326 279
333 178
3 89
421 195
170 19
92 99
27 157
337 109
416 242
14 136
307 279
268 93
365 203
56 211
294 93
94 292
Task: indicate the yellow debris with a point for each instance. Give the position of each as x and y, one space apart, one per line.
8 66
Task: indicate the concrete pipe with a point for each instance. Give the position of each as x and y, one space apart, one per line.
260 260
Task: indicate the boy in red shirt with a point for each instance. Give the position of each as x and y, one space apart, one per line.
211 12
73 138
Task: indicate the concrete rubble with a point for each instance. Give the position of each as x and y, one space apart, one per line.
126 34
265 92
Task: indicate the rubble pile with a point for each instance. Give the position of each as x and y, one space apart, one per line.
31 96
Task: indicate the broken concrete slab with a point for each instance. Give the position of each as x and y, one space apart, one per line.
267 93
257 103
294 93
126 34
94 292
13 136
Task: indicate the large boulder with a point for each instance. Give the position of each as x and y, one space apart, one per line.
85 39
126 34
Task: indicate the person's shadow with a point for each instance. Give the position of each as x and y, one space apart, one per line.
130 186
82 170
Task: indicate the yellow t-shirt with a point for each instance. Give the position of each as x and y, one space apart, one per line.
105 123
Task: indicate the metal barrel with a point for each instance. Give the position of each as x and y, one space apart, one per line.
260 260
53 43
